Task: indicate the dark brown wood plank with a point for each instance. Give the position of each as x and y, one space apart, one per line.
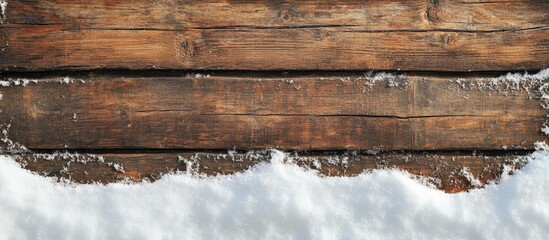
447 171
472 15
249 112
350 35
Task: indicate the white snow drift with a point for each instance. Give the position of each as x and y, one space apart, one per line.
274 200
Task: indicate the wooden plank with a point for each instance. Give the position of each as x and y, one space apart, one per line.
367 15
249 112
447 171
265 35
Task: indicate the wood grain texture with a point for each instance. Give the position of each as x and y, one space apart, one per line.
446 171
368 15
266 35
416 112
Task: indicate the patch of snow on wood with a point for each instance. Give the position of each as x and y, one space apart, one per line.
197 75
12 147
509 83
3 7
15 82
116 166
470 177
393 80
21 82
191 165
9 145
66 80
536 85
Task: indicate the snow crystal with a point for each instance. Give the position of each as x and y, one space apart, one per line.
274 200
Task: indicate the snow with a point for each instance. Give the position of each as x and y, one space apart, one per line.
393 80
3 6
117 167
15 82
274 200
470 177
21 82
534 84
66 80
10 145
518 78
192 164
197 75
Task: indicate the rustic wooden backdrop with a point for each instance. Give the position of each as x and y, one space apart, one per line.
156 86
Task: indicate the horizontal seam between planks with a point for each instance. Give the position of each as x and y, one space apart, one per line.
252 27
315 115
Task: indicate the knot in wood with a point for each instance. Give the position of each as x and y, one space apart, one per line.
449 40
286 15
189 48
433 14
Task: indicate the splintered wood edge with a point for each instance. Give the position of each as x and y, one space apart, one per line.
450 172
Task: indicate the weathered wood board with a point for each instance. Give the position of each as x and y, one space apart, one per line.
416 112
451 172
417 35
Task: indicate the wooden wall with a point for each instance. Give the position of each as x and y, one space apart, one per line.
148 83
